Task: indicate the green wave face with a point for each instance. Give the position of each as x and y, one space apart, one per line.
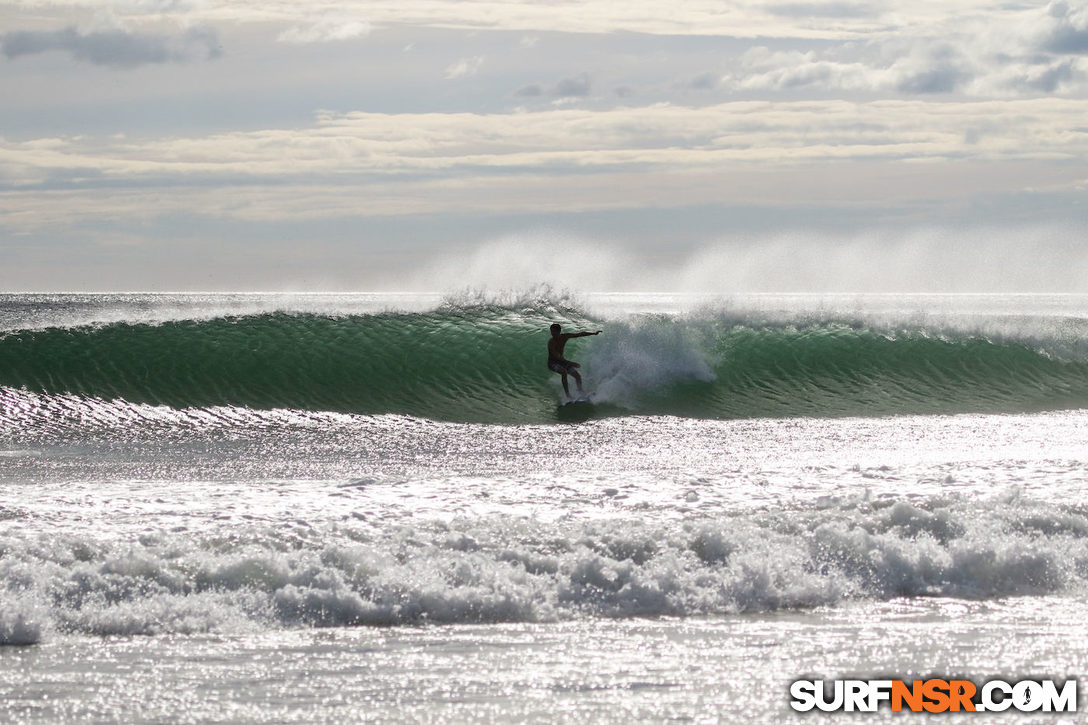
487 364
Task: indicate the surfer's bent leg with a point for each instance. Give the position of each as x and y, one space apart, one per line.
558 366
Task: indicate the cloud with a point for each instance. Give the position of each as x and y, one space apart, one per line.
1050 77
1006 53
1068 32
745 19
931 69
822 10
115 48
530 91
572 87
913 68
154 6
569 143
578 85
325 29
762 69
705 81
464 68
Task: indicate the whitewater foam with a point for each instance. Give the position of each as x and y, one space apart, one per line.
643 356
21 619
502 569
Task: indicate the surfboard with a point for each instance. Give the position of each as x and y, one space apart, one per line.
585 397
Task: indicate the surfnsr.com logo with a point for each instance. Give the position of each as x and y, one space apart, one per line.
934 695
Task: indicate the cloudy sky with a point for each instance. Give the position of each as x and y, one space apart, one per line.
604 144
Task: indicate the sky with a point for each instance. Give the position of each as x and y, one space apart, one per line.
695 145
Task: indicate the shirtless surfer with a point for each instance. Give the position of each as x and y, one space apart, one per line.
557 363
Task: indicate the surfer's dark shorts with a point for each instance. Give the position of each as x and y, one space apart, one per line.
559 367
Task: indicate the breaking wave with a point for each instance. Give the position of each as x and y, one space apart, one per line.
486 363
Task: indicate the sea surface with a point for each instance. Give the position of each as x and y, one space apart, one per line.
335 508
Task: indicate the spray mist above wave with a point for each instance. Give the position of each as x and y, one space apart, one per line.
22 312
41 311
498 568
535 300
932 259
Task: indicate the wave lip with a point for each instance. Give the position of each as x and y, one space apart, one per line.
484 362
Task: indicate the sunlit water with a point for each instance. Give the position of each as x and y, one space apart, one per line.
237 564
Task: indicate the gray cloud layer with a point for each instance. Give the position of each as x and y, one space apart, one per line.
573 87
115 48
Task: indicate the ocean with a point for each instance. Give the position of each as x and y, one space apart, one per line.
269 508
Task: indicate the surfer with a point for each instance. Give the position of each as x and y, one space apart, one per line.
559 364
